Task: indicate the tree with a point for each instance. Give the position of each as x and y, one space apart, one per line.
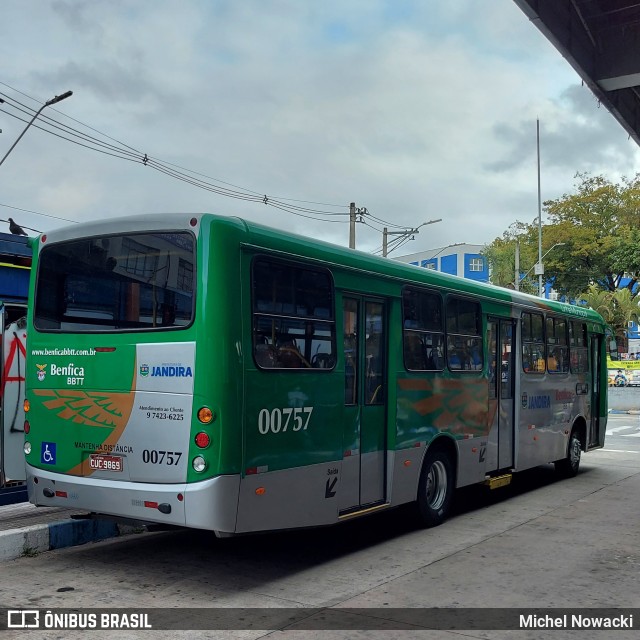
500 255
617 308
598 228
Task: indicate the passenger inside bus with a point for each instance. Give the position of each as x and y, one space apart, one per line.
414 352
289 356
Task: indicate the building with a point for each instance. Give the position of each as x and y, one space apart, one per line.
464 260
15 264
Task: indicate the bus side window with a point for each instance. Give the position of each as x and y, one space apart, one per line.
423 335
350 352
374 354
464 335
293 323
533 352
579 354
556 334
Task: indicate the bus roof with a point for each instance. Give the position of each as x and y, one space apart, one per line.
296 245
386 267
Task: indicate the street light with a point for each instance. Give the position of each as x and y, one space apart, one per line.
53 100
405 233
539 267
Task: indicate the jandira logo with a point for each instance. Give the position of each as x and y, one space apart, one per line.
166 371
41 371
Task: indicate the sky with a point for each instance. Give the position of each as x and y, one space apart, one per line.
413 109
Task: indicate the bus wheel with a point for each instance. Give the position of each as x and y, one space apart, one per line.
568 467
435 490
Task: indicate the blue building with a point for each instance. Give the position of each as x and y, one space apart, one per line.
15 264
464 260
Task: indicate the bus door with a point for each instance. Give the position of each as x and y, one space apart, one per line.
595 426
364 459
501 392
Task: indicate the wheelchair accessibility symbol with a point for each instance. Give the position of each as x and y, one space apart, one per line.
48 453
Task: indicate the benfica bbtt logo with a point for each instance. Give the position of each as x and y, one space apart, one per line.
41 371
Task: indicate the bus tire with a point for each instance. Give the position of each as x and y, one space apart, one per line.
435 491
568 467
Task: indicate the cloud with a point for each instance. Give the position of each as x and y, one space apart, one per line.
414 110
576 133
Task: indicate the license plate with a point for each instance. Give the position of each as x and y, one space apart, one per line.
100 462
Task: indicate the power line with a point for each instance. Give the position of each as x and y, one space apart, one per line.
386 223
111 146
38 213
126 152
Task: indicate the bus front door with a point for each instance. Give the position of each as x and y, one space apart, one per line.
501 391
596 430
363 477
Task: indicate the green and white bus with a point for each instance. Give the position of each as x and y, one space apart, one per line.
210 372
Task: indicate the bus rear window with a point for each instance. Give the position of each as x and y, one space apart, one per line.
128 282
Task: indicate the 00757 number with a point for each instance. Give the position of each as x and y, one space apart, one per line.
152 456
280 420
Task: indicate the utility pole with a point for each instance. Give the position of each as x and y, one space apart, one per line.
352 225
540 269
516 281
53 100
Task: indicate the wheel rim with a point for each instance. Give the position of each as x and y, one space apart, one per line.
574 453
436 485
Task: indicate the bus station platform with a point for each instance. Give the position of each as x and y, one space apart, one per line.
27 530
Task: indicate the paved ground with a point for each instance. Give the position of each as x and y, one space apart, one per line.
540 543
27 530
24 514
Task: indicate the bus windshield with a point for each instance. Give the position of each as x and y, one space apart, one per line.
121 282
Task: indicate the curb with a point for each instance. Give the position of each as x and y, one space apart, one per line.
54 535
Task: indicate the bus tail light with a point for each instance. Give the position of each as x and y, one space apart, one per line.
27 427
202 440
26 405
205 415
27 448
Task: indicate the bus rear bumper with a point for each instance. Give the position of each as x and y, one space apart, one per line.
211 504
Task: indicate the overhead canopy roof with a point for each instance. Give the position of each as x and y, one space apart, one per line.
601 41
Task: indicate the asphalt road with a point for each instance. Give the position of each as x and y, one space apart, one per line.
541 542
623 433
